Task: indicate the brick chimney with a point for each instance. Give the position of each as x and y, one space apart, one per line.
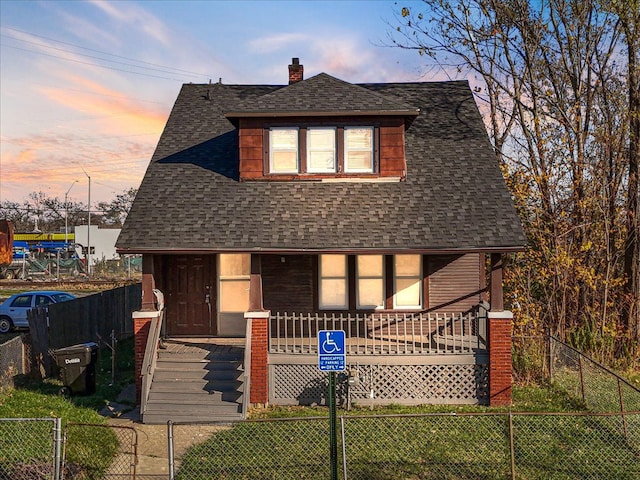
296 71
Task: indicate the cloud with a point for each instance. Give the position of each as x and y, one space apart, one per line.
274 43
113 112
131 14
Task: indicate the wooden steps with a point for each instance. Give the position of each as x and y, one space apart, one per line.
196 381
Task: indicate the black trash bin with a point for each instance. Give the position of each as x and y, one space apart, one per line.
78 367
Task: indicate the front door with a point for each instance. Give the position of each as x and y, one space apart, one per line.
190 289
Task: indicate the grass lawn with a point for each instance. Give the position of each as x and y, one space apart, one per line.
23 442
454 442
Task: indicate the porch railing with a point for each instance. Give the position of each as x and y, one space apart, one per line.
150 357
383 333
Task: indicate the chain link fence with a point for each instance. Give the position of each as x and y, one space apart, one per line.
526 446
30 448
99 452
600 389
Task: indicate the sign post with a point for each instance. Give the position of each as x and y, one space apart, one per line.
332 358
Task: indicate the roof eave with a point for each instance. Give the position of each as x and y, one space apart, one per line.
298 251
324 113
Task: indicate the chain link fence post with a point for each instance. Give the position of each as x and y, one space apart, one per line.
170 450
57 448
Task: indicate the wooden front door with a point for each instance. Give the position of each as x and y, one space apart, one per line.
190 290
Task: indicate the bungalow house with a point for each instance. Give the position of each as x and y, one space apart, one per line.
270 212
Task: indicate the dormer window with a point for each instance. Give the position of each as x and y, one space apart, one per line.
283 151
321 150
358 149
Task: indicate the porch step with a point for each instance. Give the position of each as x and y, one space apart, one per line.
196 383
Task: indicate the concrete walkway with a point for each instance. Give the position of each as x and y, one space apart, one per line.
152 440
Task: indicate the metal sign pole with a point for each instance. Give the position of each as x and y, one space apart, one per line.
333 439
332 358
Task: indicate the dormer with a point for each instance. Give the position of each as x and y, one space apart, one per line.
322 129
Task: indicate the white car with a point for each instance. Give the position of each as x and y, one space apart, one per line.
13 311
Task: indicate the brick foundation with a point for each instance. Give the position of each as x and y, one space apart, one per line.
499 329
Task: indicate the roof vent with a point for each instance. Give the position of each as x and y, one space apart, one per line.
296 71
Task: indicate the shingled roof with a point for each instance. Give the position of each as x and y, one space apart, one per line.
322 95
454 197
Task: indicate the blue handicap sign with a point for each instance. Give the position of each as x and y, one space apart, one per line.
332 355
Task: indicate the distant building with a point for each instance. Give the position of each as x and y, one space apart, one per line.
103 242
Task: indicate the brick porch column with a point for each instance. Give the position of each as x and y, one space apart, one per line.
259 370
499 332
141 326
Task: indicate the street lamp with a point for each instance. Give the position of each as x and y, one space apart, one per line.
66 214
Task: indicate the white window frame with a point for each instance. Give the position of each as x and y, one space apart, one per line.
228 279
418 279
370 150
344 278
380 277
310 149
272 150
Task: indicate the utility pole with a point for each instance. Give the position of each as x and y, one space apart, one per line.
66 214
88 256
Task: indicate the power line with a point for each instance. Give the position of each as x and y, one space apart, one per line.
93 64
167 70
106 53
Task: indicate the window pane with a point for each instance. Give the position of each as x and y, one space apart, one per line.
359 161
284 138
321 150
358 149
333 293
283 150
23 301
369 265
370 293
407 292
407 265
284 161
234 295
321 138
235 264
321 161
333 266
359 138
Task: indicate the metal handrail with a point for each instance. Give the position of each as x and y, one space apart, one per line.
150 358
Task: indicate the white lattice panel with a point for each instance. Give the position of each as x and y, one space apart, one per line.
402 384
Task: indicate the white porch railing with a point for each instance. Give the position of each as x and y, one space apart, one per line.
382 333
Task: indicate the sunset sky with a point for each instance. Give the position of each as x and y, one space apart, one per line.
86 86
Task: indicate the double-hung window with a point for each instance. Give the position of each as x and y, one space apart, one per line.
407 279
333 282
370 281
365 282
234 282
358 149
283 150
321 150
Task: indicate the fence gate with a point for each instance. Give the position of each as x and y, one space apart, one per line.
99 451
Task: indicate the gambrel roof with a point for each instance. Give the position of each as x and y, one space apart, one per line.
454 197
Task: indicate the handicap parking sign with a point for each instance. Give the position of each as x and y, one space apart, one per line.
332 355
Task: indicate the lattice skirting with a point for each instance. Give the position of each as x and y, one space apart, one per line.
406 384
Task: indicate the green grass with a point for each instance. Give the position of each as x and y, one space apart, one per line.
89 451
426 442
433 446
